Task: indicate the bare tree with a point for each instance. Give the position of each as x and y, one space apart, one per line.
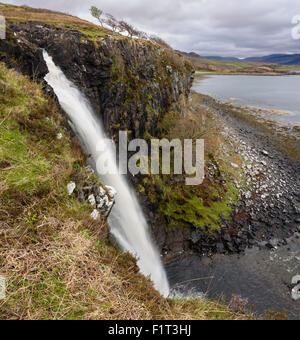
112 22
159 41
97 13
143 35
125 27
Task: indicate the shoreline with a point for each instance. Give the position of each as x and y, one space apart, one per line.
257 253
266 214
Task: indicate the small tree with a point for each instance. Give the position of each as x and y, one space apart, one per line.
159 41
143 35
97 13
112 22
124 26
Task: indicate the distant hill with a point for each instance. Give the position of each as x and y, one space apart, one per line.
229 65
282 59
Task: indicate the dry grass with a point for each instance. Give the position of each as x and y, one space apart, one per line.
60 20
58 262
25 13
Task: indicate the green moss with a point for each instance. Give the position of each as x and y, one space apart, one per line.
200 207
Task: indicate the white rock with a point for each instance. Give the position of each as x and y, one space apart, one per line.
296 279
71 187
248 195
109 206
101 204
95 215
102 192
234 165
59 136
111 192
92 200
296 293
104 202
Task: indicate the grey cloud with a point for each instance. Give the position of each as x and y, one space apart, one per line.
208 27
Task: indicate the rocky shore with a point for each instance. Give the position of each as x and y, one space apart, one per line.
267 212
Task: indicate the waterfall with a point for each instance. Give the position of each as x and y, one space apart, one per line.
127 222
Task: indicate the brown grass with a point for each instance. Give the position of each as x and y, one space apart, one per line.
25 13
58 263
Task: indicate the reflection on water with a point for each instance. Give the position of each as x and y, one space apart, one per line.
262 276
279 93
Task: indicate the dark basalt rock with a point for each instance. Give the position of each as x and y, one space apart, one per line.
129 83
24 57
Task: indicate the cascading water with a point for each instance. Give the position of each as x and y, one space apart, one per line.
126 221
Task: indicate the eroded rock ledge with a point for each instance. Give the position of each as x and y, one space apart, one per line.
131 83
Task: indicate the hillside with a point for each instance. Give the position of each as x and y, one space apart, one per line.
237 66
59 263
282 59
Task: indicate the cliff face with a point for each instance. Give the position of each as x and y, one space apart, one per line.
131 83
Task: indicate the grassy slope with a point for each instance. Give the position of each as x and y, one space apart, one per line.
25 14
57 261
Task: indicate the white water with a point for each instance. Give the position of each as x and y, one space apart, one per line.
126 221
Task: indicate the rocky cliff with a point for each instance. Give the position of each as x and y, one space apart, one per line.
131 83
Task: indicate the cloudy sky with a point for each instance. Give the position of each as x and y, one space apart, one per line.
208 27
